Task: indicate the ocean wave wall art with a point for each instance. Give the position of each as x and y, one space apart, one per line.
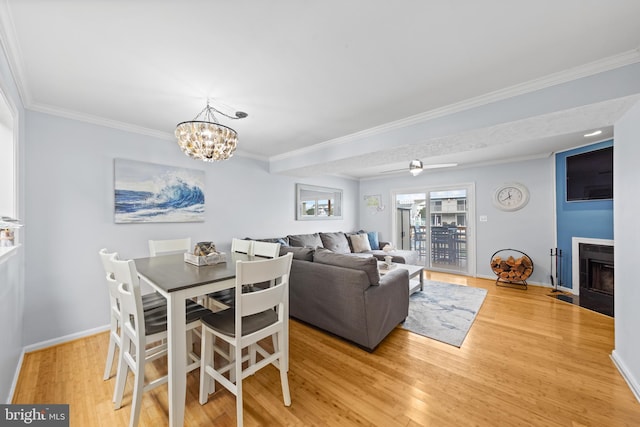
148 192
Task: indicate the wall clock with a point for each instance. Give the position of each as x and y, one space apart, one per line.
511 196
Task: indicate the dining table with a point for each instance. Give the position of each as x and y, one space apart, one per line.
179 281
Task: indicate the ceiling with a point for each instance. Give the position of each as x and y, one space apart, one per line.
318 77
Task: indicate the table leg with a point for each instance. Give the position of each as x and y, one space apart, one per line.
177 358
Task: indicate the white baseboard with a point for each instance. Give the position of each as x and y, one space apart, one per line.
624 371
60 340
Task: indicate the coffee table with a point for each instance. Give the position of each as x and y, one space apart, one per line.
416 279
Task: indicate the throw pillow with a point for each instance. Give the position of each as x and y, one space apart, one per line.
373 240
369 265
306 240
335 242
360 243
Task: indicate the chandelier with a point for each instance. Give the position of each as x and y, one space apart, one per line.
203 138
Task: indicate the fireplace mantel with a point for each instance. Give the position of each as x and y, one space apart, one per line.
575 258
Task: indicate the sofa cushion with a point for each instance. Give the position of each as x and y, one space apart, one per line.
360 243
306 240
335 242
373 240
304 254
369 265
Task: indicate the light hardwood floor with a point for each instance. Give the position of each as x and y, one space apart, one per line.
528 360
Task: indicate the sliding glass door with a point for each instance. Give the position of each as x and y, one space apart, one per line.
437 223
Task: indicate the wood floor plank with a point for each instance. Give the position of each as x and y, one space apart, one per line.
528 360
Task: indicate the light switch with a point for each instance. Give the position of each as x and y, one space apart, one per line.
483 218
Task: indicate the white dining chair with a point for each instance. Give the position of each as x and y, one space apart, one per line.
143 336
150 302
171 246
252 319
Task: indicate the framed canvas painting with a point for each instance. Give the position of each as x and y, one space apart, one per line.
148 192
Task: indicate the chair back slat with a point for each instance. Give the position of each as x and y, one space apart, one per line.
255 302
242 246
266 249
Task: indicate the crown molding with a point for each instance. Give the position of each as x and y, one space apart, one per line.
602 65
101 121
10 45
127 127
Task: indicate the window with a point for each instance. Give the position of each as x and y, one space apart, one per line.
438 223
8 185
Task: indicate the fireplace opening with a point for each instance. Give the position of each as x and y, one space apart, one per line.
600 277
596 269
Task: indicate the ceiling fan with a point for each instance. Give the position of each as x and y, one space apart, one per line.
416 167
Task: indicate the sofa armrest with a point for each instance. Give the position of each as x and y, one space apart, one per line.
386 305
329 297
381 245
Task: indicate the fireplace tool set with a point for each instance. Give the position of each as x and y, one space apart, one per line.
556 256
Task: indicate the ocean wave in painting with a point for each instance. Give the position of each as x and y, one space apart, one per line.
174 202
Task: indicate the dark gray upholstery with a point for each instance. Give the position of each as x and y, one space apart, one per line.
341 300
336 242
369 264
155 320
152 301
225 321
305 254
308 240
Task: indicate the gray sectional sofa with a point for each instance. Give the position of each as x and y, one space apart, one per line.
345 295
335 285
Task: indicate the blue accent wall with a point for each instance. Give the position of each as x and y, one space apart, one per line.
592 219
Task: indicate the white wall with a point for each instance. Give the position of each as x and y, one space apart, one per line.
627 235
530 229
69 188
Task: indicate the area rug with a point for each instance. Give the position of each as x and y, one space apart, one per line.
443 311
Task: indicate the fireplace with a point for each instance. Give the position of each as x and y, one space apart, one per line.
596 276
